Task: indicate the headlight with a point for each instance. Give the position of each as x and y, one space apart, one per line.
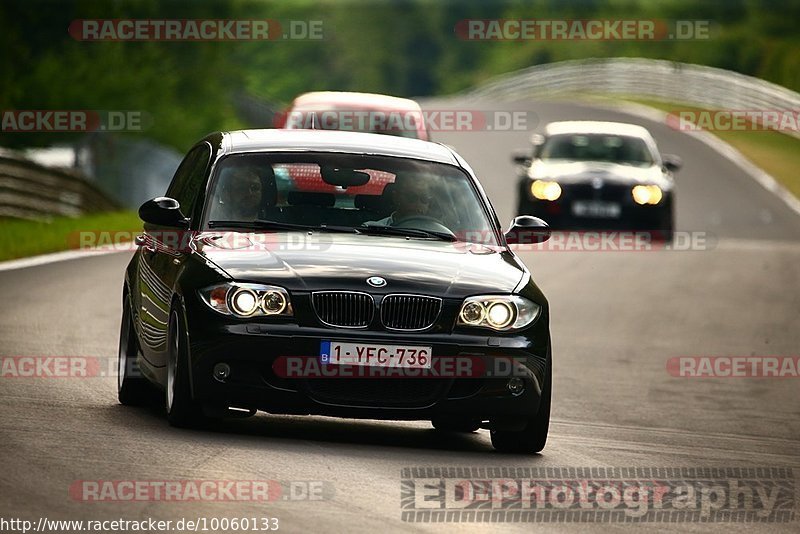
247 300
647 194
498 312
544 190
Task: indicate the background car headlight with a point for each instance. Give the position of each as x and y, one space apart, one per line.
498 312
647 194
247 300
545 190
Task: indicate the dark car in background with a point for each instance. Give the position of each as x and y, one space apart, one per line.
240 277
597 175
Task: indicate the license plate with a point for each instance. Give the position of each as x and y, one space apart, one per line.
596 209
368 354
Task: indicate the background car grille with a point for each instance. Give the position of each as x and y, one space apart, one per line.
347 309
409 312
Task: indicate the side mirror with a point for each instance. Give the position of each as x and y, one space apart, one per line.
163 211
672 162
522 156
527 230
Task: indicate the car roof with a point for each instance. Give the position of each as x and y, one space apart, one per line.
596 127
281 140
357 100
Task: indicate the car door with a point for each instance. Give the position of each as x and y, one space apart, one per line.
162 255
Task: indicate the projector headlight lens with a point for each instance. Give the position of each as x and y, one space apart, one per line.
244 301
273 302
545 190
472 313
247 300
498 312
647 194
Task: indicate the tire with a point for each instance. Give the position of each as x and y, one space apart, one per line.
456 425
182 410
533 437
132 388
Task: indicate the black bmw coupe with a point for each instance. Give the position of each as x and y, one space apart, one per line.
339 274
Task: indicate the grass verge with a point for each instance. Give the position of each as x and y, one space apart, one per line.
19 239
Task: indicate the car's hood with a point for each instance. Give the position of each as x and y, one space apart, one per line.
300 261
587 171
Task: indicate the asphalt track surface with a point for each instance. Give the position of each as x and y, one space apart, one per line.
617 317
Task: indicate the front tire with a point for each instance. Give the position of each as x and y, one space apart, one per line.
533 437
182 410
132 388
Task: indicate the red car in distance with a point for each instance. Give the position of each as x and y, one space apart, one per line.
358 112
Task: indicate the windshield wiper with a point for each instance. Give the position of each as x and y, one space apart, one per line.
406 232
262 224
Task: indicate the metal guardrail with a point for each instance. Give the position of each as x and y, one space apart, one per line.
31 191
681 83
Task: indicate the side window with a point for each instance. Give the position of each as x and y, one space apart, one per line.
189 178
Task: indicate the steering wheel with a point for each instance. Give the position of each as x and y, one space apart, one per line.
424 222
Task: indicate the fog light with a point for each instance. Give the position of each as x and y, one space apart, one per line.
515 385
222 371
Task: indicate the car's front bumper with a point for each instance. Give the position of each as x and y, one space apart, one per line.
251 350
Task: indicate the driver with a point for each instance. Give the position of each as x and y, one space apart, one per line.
239 196
412 198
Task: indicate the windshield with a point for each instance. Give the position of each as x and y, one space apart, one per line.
597 147
345 192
